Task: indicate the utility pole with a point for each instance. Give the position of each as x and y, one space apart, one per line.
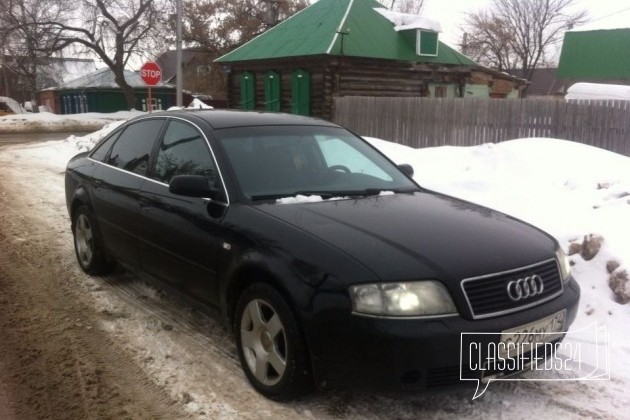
178 42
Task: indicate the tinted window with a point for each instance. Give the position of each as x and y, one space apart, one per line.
100 151
183 152
133 148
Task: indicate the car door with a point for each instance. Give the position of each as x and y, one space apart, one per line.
180 236
116 187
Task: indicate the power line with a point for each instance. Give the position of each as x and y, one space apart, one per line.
612 14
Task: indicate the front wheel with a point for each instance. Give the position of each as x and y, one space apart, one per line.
270 346
88 245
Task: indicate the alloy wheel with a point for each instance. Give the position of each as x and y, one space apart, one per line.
264 342
83 238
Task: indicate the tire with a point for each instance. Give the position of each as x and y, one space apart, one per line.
88 245
270 344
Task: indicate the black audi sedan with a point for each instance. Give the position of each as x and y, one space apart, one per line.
332 266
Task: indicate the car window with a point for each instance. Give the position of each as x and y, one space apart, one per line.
339 153
100 151
133 148
281 161
183 151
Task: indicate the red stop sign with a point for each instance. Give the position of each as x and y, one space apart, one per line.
151 73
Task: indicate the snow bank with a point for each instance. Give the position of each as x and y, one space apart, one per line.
47 122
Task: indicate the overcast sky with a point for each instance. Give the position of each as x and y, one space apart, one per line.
606 14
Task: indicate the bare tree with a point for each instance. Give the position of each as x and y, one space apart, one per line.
413 7
214 27
489 42
221 25
116 31
27 43
518 33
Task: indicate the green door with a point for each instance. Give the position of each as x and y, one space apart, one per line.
301 92
247 90
272 91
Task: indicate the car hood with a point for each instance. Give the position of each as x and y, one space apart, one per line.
419 235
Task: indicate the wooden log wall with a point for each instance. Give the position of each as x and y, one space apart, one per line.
341 76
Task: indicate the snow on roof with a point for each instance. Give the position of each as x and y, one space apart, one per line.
406 21
104 78
63 70
598 91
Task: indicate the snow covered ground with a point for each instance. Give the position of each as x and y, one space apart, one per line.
578 193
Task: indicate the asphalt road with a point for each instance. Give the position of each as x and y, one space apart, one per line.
19 138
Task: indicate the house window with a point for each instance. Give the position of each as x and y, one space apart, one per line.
440 91
301 92
426 43
272 91
248 91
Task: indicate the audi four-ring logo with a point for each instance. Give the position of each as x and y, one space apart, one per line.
525 287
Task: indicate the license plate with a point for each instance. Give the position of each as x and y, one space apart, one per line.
526 337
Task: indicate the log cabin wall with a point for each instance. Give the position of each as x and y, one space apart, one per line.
350 76
285 68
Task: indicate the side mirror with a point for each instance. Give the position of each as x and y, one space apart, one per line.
407 169
192 186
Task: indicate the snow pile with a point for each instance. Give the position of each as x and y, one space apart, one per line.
406 21
47 122
198 104
12 104
597 91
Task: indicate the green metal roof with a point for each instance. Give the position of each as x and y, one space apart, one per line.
600 54
314 31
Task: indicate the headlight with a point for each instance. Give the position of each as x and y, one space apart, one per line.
419 298
563 261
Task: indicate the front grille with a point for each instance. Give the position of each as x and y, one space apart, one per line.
488 296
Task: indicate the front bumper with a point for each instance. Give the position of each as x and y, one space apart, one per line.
365 352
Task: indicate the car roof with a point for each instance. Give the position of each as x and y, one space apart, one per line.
221 118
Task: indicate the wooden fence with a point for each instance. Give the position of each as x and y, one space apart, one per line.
426 122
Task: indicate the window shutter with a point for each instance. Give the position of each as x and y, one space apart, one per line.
248 91
272 91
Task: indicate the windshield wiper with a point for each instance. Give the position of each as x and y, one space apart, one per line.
367 192
323 194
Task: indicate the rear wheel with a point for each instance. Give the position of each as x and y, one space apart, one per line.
270 345
88 245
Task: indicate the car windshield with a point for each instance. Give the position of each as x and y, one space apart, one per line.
273 162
